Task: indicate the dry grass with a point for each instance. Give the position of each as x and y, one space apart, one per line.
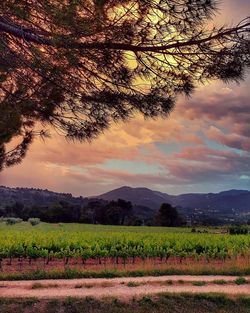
134 284
105 284
236 266
220 282
241 263
199 283
40 286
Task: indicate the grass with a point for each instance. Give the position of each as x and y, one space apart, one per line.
37 286
199 283
105 284
133 284
164 303
220 282
40 286
88 286
71 274
241 281
75 227
78 286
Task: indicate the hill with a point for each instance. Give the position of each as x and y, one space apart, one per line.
227 205
238 200
32 196
42 198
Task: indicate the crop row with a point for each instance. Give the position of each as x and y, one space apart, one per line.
61 244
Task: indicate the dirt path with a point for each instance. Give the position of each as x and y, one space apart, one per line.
123 288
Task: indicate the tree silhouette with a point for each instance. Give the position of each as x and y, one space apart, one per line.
79 65
168 216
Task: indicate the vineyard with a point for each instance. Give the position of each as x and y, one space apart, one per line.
117 247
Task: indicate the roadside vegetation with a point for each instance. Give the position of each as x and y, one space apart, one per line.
165 303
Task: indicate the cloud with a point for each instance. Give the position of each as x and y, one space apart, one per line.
206 146
231 140
217 113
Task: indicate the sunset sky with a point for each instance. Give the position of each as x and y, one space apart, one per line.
204 146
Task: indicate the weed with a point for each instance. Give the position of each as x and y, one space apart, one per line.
241 281
78 286
220 282
146 300
199 283
37 286
133 284
88 286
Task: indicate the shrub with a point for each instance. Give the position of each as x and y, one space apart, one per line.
241 281
199 283
220 282
133 284
37 286
34 221
12 220
238 230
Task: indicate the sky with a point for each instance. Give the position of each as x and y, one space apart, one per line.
204 146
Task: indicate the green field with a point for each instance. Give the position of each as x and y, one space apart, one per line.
25 226
93 242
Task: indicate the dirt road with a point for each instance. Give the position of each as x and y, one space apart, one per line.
123 288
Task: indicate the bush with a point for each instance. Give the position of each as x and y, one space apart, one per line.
238 230
12 220
34 221
241 281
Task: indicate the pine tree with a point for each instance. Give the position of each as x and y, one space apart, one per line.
80 65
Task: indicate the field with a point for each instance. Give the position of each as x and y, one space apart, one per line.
91 249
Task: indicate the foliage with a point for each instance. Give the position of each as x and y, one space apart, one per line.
122 243
168 216
34 221
80 65
239 230
118 212
241 281
162 303
12 220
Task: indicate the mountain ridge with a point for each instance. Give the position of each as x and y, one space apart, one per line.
225 200
123 192
227 205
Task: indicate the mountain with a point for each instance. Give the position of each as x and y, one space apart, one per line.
138 196
224 202
226 206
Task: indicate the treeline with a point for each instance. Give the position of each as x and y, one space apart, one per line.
96 211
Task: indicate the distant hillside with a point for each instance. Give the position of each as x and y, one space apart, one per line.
32 196
139 196
40 198
226 206
225 202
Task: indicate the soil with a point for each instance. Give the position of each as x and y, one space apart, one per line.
8 266
122 288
